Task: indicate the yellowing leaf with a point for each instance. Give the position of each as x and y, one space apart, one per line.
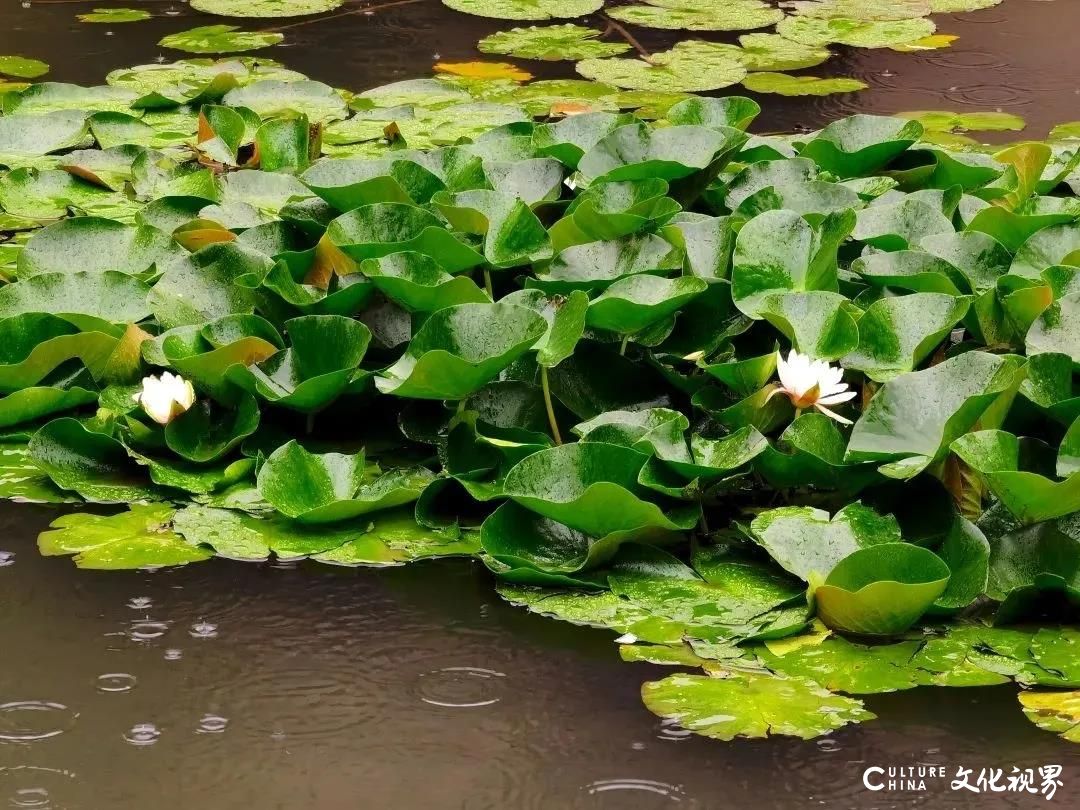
930 43
484 70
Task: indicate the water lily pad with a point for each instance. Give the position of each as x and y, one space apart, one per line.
94 465
1055 711
690 66
27 136
896 334
751 705
915 416
709 15
23 68
525 9
92 301
220 39
331 487
1032 497
780 251
786 85
551 42
395 538
264 8
22 480
460 348
272 98
142 537
417 283
96 245
857 33
633 303
806 542
881 590
592 487
860 144
115 15
317 367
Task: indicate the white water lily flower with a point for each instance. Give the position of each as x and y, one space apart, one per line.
166 397
811 384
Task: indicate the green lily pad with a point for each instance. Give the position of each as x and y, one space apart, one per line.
881 590
94 465
896 334
551 42
115 15
810 452
264 8
784 84
914 417
860 145
306 376
22 68
96 245
858 33
417 283
708 15
806 542
22 480
213 282
1031 497
525 9
373 231
331 487
220 39
273 98
690 66
751 705
139 538
91 301
460 348
236 535
24 137
632 304
592 487
780 251
395 538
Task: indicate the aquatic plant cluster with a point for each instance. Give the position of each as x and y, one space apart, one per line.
797 412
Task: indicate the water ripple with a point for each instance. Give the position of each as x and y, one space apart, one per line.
115 682
24 721
142 734
460 687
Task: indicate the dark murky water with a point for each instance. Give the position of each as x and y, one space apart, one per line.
1018 56
227 685
300 686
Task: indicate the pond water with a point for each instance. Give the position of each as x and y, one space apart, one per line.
301 686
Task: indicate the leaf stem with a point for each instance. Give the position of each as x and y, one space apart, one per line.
637 46
487 284
547 404
622 346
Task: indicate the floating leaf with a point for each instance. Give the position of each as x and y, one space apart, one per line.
220 39
707 15
96 245
525 9
139 538
751 705
483 70
785 85
23 68
857 33
551 42
592 487
115 15
1057 711
264 8
690 66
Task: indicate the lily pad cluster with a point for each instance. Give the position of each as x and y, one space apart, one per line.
784 408
780 37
